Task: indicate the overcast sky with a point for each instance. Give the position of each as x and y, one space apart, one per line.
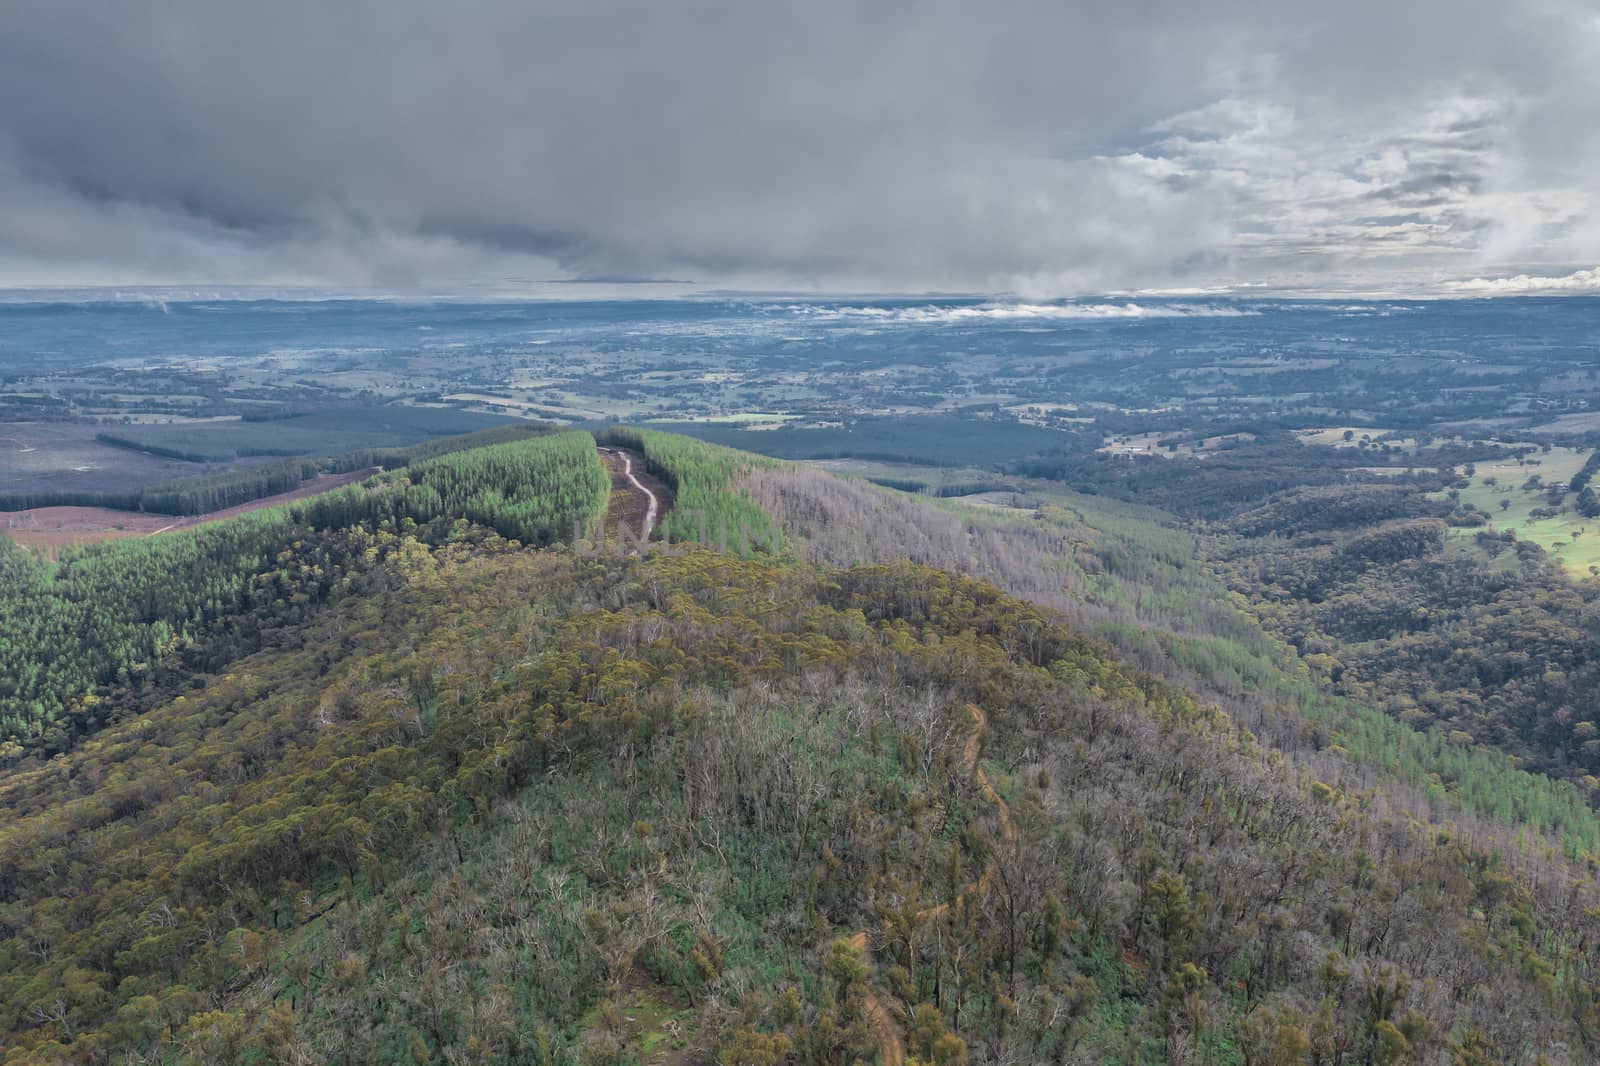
1047 148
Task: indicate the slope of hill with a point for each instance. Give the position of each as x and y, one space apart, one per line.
493 803
1125 574
106 615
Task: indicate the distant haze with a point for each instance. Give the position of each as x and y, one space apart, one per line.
1044 148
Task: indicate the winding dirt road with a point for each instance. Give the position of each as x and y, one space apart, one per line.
655 504
885 1030
621 464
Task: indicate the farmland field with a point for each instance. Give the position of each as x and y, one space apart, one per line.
1509 494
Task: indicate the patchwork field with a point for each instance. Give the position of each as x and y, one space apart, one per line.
1334 436
1578 422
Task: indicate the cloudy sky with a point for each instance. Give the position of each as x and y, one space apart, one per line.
1049 148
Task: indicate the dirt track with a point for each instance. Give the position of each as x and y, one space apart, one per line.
885 1030
637 498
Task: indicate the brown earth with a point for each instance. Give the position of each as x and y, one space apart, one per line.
55 527
629 507
885 1030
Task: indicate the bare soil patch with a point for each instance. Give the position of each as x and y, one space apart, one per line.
57 527
629 508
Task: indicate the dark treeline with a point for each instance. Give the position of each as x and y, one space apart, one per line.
273 414
397 457
946 490
323 430
199 495
1587 503
901 484
181 496
1581 479
198 453
23 501
930 440
972 488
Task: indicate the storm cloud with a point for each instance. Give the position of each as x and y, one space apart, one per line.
1045 148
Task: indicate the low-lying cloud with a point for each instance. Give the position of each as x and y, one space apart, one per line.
933 314
1579 281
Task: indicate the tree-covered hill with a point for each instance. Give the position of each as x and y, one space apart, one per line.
105 617
1473 634
508 807
433 784
1126 574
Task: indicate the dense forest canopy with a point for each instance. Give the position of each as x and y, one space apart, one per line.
709 507
621 804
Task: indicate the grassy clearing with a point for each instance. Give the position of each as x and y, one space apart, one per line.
1334 436
1506 492
1154 444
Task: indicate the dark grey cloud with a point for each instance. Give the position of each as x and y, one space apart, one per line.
1018 144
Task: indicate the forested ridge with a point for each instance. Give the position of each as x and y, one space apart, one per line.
710 506
1127 574
399 774
108 614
